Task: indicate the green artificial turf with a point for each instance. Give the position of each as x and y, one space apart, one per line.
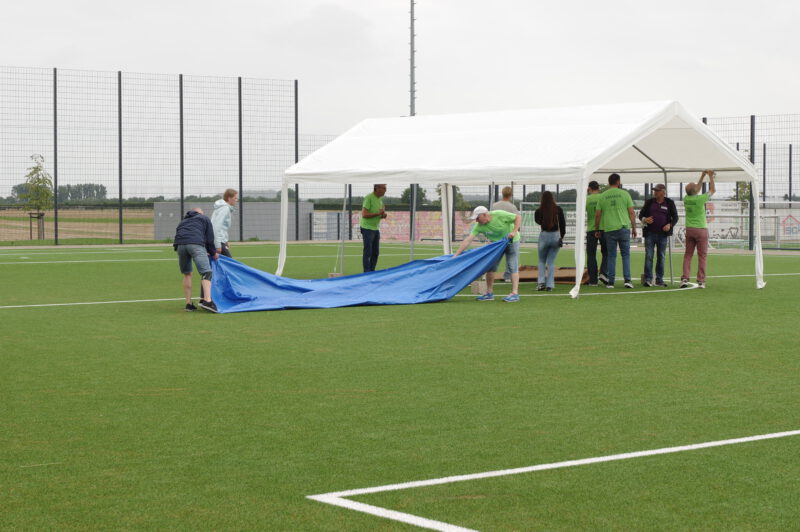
143 416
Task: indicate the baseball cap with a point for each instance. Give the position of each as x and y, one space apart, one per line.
659 186
478 211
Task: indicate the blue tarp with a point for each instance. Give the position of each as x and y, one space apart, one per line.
240 288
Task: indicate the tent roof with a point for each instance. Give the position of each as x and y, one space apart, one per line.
534 146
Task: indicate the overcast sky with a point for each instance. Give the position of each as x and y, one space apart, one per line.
719 58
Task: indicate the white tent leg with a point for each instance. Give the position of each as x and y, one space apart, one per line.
580 235
342 232
757 241
446 245
284 227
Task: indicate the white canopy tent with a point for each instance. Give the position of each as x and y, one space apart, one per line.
643 142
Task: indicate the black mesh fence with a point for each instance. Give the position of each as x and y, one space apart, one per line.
117 157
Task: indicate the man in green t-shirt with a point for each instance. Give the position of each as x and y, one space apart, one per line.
616 219
592 197
497 225
372 212
696 232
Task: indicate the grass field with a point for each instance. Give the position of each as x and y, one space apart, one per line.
134 414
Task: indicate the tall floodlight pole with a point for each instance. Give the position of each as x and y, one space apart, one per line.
413 83
412 111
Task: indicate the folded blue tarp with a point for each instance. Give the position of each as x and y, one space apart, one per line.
240 288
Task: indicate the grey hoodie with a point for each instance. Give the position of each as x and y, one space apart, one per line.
221 220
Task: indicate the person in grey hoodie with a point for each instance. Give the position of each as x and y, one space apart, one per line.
221 220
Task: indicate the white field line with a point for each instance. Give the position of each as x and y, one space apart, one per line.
620 291
22 261
92 303
610 293
75 252
338 498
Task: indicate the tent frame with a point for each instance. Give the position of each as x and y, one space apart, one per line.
579 175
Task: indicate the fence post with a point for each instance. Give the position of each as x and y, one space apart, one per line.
119 148
350 212
296 158
751 237
180 118
737 184
790 176
311 226
55 156
764 175
241 166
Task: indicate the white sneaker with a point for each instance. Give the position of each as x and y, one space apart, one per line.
628 284
701 285
609 285
603 278
684 283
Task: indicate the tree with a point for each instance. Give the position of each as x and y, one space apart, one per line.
18 191
460 203
82 191
38 193
742 194
405 197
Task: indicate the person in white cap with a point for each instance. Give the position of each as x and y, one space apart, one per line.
497 225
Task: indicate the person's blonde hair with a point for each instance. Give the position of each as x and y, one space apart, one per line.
229 193
507 192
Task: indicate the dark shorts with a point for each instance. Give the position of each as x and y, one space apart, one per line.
189 252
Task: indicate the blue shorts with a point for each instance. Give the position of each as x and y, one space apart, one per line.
512 258
196 252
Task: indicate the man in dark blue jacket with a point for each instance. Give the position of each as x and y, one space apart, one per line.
194 240
659 216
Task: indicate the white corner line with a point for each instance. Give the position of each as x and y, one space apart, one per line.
338 498
393 515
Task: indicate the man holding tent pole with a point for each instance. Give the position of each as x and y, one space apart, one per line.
497 225
694 204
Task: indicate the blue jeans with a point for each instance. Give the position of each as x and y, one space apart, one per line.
372 241
622 238
548 249
652 241
512 259
591 256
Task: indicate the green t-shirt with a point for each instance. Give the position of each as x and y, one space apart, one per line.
373 204
695 207
614 203
498 227
591 207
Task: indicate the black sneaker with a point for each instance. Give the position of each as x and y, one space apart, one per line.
540 288
684 283
190 307
603 278
662 284
647 283
208 305
628 284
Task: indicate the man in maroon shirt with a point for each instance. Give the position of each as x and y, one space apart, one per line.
659 216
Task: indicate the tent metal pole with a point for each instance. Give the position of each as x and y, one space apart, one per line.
669 240
342 232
